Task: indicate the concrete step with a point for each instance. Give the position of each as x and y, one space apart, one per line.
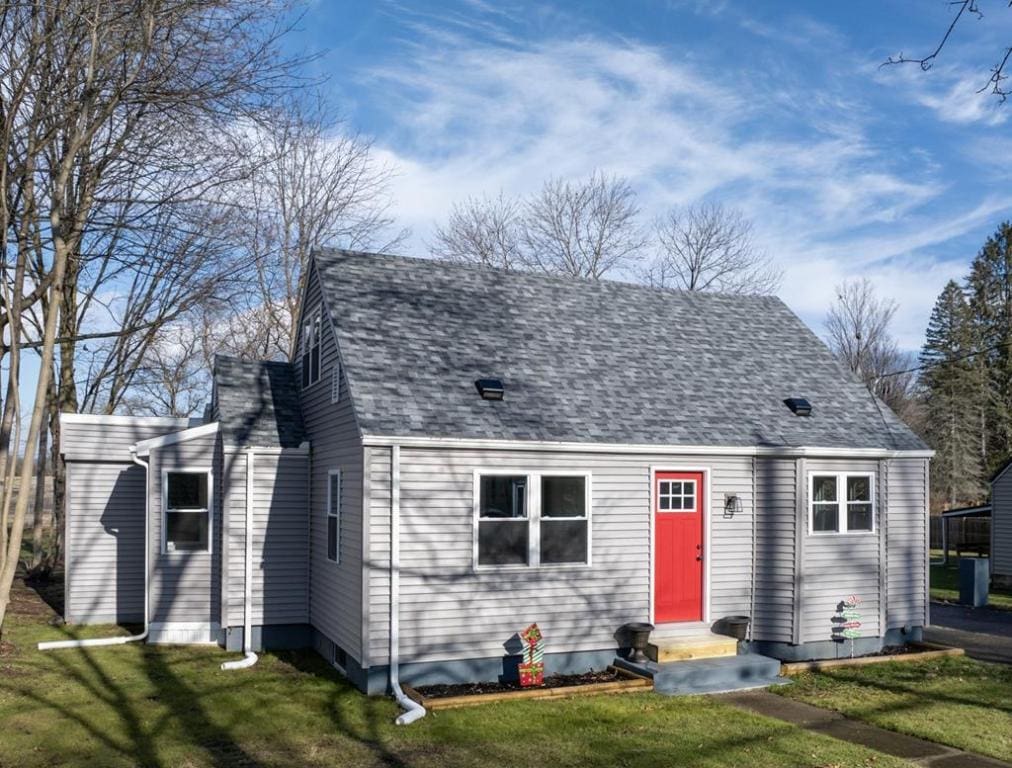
698 646
725 673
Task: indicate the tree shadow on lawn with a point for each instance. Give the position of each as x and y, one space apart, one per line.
131 732
909 681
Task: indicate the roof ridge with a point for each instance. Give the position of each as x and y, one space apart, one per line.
549 277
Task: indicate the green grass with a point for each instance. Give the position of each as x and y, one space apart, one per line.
945 586
954 700
163 706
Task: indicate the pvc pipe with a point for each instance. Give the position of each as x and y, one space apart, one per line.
249 658
101 641
412 709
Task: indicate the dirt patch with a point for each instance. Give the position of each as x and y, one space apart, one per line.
551 681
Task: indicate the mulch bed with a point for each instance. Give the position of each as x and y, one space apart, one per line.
551 681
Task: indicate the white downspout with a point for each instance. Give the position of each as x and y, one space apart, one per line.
99 641
412 709
249 658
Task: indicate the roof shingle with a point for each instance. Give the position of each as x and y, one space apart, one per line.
585 361
257 403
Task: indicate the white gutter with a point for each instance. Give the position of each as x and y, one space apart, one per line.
412 709
644 448
249 658
100 641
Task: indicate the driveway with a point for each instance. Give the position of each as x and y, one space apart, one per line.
985 634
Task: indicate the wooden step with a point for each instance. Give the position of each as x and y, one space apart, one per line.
703 646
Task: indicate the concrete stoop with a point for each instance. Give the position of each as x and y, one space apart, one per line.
710 675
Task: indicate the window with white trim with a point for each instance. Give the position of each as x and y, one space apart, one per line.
676 495
532 519
841 502
310 347
335 382
187 504
334 515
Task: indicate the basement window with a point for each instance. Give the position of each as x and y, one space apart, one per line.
841 502
531 520
186 500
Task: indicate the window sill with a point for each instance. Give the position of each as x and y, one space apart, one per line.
531 568
822 534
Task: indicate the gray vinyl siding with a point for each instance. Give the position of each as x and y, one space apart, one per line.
185 586
280 592
1001 525
836 566
907 542
94 441
447 610
335 601
776 549
105 543
104 577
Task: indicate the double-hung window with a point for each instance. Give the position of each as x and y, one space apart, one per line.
334 515
841 502
532 519
187 503
310 347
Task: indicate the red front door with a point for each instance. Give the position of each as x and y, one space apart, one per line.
678 546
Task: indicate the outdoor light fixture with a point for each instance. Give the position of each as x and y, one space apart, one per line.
799 406
490 389
732 504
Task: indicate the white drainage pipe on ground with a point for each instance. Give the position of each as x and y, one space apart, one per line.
100 641
249 658
412 709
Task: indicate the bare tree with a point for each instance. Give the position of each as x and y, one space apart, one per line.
485 231
708 247
584 229
173 378
311 184
963 9
858 327
86 89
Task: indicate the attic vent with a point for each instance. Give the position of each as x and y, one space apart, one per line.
490 389
799 406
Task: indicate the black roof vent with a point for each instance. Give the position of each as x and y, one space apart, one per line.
490 389
799 406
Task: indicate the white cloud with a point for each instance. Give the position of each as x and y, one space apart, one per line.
472 118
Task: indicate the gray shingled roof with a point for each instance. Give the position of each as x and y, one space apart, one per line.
257 403
585 361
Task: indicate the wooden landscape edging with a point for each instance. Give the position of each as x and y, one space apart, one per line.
931 651
633 682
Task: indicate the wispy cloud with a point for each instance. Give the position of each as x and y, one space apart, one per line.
471 116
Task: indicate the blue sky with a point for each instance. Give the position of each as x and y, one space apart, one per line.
779 108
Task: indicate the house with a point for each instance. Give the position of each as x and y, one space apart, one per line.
1001 526
457 452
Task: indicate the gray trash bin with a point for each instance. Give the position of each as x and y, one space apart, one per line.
973 578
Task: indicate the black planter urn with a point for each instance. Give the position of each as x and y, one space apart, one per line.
639 638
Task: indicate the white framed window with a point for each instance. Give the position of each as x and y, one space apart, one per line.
335 382
676 495
312 332
841 502
187 500
532 519
334 515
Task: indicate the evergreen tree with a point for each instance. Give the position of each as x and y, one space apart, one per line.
990 287
953 384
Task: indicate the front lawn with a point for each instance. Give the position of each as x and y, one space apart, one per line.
945 586
162 706
954 700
